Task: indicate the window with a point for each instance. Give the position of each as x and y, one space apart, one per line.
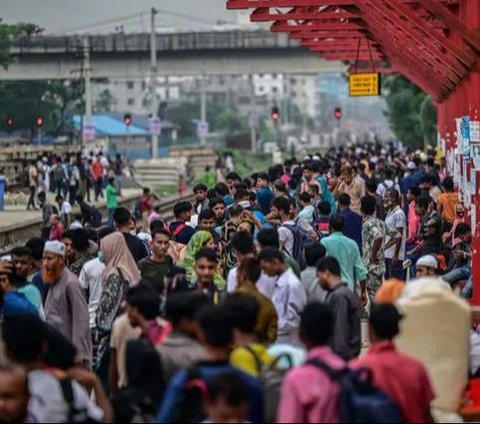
274 89
144 85
130 85
131 102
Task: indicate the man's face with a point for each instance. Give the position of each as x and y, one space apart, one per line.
219 211
347 176
14 397
231 184
53 266
161 243
133 315
262 182
200 195
23 264
270 267
410 196
207 225
425 271
420 211
205 270
186 216
221 412
53 220
275 212
69 249
323 277
307 174
466 238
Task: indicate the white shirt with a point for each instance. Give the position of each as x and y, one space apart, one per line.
47 403
66 208
289 299
286 236
265 284
91 279
396 219
386 185
105 163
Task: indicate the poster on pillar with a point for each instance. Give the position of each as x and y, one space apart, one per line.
465 137
475 131
475 156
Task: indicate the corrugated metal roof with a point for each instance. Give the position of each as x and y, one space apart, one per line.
109 126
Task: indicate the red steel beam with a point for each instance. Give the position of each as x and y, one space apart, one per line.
262 14
313 35
248 4
281 26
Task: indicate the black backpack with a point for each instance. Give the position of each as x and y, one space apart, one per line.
96 217
189 405
360 401
298 251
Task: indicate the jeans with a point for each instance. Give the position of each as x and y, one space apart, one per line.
73 193
394 271
110 218
118 183
98 188
457 274
31 199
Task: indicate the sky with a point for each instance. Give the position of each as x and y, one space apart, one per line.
64 15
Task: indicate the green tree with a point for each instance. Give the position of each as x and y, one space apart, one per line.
8 33
410 111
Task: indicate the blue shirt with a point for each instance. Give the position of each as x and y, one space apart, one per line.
208 372
353 226
264 198
37 281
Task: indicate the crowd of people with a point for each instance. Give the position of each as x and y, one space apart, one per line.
247 307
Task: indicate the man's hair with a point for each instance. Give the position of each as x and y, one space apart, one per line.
250 267
336 222
279 185
230 387
394 194
243 310
427 179
415 190
242 194
111 180
282 204
305 197
184 306
146 190
448 184
145 299
79 239
36 245
423 202
262 176
233 176
242 242
316 323
270 253
216 326
329 264
371 185
104 232
199 187
156 225
206 214
24 337
325 208
368 205
384 320
344 200
314 252
121 216
235 210
181 207
216 201
315 188
222 189
462 229
268 237
22 251
58 198
206 253
161 231
42 195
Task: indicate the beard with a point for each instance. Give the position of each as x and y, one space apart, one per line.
53 275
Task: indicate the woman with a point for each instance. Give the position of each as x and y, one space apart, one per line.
121 272
327 195
199 240
139 401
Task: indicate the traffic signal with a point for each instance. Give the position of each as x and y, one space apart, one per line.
9 123
338 113
39 122
275 113
127 118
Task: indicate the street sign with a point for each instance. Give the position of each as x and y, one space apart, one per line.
367 84
155 126
254 121
202 129
89 132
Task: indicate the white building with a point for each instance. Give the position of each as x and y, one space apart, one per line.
303 91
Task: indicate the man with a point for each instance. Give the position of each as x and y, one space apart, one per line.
250 354
206 263
307 211
97 173
308 394
118 170
47 211
396 223
462 255
347 253
84 251
123 221
57 229
345 306
403 378
216 333
154 268
430 231
249 274
181 232
426 266
180 350
65 211
411 179
233 179
217 205
201 201
379 173
427 184
281 210
69 249
350 185
264 194
65 306
373 237
371 190
14 395
32 185
86 211
207 222
447 201
353 221
413 193
112 202
288 294
313 253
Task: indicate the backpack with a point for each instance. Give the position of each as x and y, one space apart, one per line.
59 173
189 405
137 210
299 239
177 231
271 378
74 415
96 217
360 401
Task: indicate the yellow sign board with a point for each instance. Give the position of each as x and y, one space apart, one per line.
365 84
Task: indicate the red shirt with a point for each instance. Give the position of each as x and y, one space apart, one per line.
97 170
401 377
56 232
145 205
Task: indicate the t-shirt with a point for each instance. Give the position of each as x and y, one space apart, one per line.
122 333
246 361
91 279
286 236
66 208
449 205
32 294
112 202
153 273
396 219
136 247
97 170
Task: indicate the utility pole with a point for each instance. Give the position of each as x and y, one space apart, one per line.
153 78
87 68
253 118
203 108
